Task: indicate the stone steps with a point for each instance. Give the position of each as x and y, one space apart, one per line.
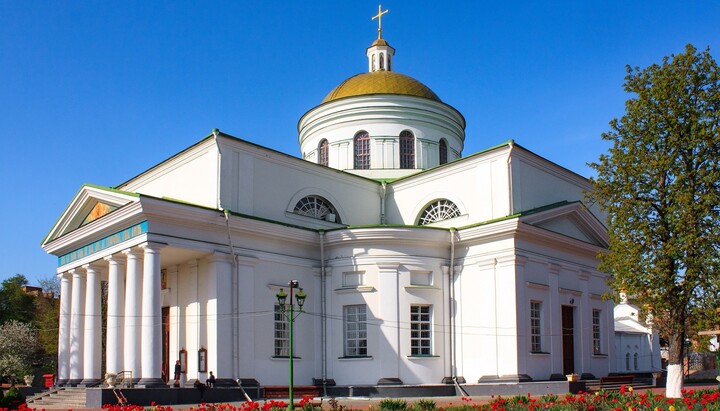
57 398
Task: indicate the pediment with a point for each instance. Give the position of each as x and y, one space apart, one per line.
89 204
572 220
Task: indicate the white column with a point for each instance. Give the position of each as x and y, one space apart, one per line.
133 287
554 318
219 318
92 344
64 331
390 351
151 368
246 303
77 327
115 315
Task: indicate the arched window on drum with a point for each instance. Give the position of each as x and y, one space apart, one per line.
361 144
323 152
407 149
443 151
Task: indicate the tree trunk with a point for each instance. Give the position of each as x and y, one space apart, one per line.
674 384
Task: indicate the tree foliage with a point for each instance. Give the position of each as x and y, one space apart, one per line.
660 185
15 304
18 349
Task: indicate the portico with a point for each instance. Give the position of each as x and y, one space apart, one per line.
133 316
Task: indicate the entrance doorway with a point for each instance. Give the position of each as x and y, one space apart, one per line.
568 339
166 343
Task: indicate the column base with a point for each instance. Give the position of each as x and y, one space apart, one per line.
61 383
512 378
73 382
389 381
86 382
152 383
225 382
451 380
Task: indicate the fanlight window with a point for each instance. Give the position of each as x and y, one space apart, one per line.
438 211
317 207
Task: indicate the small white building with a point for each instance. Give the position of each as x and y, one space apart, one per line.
421 266
637 344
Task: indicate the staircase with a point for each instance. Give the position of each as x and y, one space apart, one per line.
69 398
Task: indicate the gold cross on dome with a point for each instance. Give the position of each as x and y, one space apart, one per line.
379 18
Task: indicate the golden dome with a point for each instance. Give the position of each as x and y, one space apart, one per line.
380 82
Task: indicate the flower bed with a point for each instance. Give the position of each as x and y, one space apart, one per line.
624 400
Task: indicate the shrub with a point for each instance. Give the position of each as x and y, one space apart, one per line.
425 405
389 404
12 399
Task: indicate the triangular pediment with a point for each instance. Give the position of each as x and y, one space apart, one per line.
89 204
572 220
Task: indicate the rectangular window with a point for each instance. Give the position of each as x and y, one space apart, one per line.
355 326
535 326
596 331
420 334
282 334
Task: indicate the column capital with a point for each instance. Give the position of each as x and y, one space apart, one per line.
554 268
76 272
114 258
388 267
219 257
152 247
92 267
132 252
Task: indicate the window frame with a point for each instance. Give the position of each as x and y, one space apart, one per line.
407 150
355 331
421 323
596 331
438 210
281 334
536 326
442 151
317 207
323 152
361 150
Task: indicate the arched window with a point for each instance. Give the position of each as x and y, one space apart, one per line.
437 211
443 151
627 360
317 207
362 150
382 62
388 63
323 153
373 62
635 361
407 149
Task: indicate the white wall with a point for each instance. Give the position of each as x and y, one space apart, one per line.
191 176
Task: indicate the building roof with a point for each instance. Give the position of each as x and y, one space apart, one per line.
380 82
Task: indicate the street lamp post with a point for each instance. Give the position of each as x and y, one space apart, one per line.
289 313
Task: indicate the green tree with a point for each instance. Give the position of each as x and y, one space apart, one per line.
46 321
18 349
660 185
15 304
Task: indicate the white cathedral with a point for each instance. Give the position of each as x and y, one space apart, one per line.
420 266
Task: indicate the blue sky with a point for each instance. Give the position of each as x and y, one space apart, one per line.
99 91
